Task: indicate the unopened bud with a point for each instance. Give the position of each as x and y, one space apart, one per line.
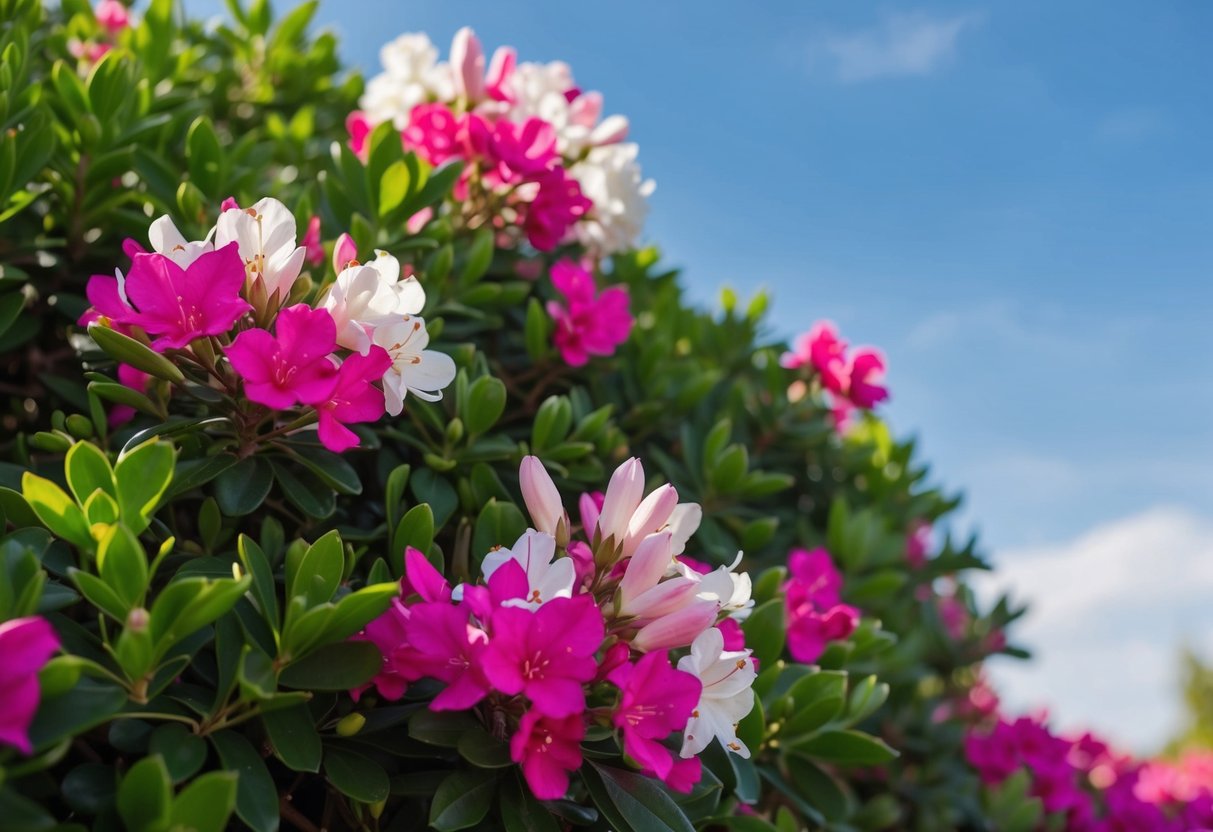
137 620
350 724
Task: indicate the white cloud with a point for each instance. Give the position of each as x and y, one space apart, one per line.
1109 613
901 44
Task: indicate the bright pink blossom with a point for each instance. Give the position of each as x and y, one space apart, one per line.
557 205
821 349
813 578
26 645
815 614
113 15
810 630
445 644
175 305
587 323
311 242
918 544
865 371
292 365
354 399
655 701
359 127
523 150
547 654
548 749
433 132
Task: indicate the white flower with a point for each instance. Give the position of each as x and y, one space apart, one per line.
547 576
684 522
366 296
611 177
411 76
167 240
265 234
414 369
728 695
729 589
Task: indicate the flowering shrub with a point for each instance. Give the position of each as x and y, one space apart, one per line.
287 531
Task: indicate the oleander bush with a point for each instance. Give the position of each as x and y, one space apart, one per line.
362 470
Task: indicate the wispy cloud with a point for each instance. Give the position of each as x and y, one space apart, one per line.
1130 127
914 43
1109 611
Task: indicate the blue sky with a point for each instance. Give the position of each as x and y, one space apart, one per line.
1013 200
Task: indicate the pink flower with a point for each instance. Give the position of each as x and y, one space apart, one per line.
541 497
388 632
655 701
557 205
548 749
587 323
354 399
812 578
821 349
523 150
112 15
433 132
177 305
501 70
548 654
292 366
359 127
311 242
137 380
918 544
467 66
734 637
809 631
26 645
864 373
448 647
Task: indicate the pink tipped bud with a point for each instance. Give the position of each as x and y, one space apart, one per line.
344 253
590 505
229 204
622 499
540 495
501 70
652 513
647 566
585 109
678 629
467 63
613 130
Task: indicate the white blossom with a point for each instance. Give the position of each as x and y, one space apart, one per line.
611 177
728 696
416 370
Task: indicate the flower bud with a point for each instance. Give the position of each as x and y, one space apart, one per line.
350 724
344 252
541 496
467 65
623 496
137 620
652 513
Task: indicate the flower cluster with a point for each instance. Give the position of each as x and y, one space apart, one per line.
611 629
854 381
26 645
816 615
112 18
1093 789
536 150
587 322
221 308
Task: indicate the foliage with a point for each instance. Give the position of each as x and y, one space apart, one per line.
206 582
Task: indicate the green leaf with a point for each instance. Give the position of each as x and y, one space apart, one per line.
256 796
206 804
99 594
183 752
294 738
766 632
485 404
338 667
91 788
415 529
463 799
122 564
819 788
204 156
521 812
633 801
816 699
355 775
479 257
393 187
88 470
83 707
848 748
145 796
334 470
143 475
241 489
258 566
483 750
318 573
57 511
127 350
441 728
536 330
